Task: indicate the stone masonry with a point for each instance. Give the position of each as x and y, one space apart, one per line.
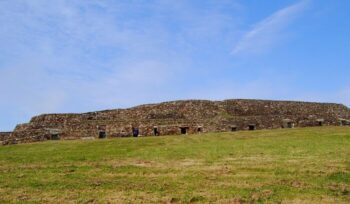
180 117
4 136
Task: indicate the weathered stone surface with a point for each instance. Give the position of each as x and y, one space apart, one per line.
179 117
4 136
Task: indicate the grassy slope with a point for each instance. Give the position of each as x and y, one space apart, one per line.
296 165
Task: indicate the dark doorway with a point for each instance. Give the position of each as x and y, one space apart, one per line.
320 122
135 132
55 136
290 125
199 129
251 127
183 130
344 122
155 131
233 129
102 135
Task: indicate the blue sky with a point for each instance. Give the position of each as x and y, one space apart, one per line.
78 56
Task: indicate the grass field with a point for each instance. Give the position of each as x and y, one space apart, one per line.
310 165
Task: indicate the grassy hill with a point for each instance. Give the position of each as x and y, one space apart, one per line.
310 165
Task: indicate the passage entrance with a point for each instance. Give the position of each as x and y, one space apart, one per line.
320 122
252 127
183 130
233 128
135 132
102 135
55 136
155 131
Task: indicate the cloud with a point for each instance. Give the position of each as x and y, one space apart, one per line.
77 56
74 56
269 31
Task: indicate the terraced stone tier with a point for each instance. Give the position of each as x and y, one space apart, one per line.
181 117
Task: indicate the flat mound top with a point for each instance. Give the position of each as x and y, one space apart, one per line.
309 165
196 108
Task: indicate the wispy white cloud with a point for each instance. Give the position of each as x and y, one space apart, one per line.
265 34
74 56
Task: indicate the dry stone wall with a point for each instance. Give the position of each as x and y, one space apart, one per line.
4 136
180 117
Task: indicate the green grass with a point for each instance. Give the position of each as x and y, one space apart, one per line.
310 165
